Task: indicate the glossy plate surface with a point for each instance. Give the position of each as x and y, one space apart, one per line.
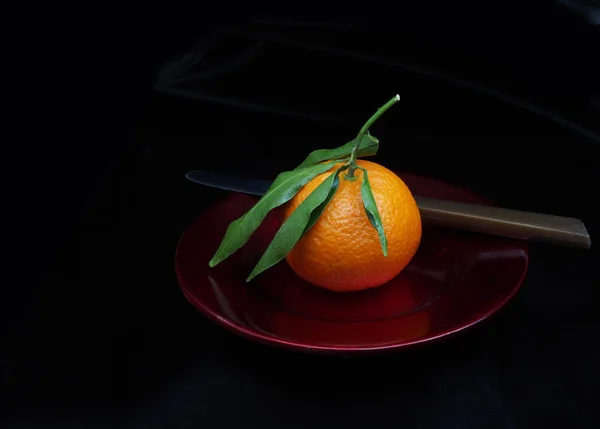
455 280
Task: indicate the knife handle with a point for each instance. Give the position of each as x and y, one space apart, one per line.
505 222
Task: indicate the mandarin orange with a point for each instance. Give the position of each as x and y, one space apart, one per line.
342 251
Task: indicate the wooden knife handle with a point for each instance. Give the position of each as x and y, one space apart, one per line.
505 222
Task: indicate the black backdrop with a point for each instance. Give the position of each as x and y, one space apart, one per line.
96 332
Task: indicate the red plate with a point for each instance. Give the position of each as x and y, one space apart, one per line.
455 280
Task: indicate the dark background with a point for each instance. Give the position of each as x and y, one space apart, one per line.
101 124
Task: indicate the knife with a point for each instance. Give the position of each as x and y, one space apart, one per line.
566 231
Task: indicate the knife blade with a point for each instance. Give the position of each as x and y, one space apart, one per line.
498 221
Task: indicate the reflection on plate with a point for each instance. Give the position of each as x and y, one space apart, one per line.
455 280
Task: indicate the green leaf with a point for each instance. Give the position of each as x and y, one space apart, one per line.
372 211
368 147
293 228
283 189
316 213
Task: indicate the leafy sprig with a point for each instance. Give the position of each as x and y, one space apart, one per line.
287 185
